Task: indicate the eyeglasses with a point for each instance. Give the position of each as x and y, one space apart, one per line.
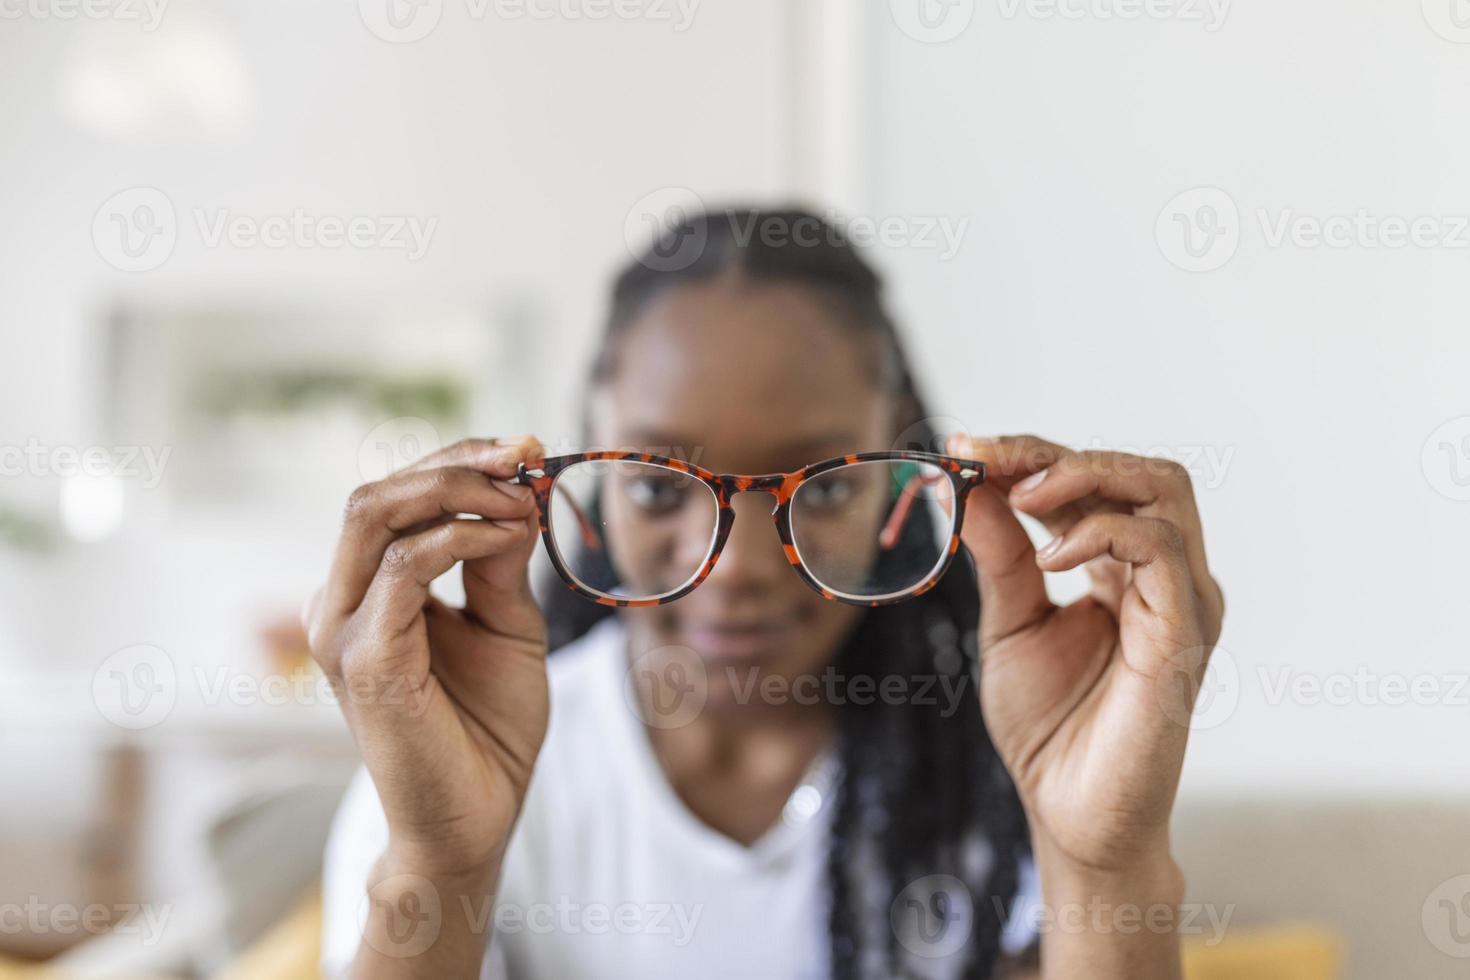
635 529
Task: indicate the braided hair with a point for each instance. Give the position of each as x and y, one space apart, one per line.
922 790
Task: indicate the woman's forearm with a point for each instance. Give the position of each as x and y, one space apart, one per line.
417 926
1110 924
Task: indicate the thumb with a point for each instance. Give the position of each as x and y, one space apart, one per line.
1012 587
498 587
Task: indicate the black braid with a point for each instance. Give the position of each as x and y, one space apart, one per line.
918 790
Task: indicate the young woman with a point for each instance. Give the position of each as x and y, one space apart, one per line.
754 779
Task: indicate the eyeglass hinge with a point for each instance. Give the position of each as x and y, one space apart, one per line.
967 474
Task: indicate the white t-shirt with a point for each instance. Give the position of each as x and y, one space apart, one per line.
608 874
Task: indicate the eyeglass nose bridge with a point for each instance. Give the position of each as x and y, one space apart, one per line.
779 485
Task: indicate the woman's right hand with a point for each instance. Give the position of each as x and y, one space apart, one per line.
448 706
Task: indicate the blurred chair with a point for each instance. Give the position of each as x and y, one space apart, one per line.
265 847
1287 953
288 951
1361 869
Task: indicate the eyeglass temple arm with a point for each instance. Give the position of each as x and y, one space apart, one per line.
893 527
525 477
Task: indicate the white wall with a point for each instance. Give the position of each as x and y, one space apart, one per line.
1319 373
529 142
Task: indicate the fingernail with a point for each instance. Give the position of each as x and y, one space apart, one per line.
507 447
1050 548
1031 482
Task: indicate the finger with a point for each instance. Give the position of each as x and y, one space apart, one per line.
310 622
497 590
1109 578
497 457
410 564
1148 487
1011 460
1012 588
1007 459
1154 548
407 503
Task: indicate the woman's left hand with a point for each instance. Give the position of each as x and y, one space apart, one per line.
1088 703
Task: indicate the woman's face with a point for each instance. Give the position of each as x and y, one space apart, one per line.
743 378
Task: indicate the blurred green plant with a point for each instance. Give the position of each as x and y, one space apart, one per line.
437 398
23 532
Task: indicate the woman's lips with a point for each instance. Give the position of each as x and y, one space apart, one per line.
752 641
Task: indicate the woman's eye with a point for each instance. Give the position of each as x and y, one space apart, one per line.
655 494
827 494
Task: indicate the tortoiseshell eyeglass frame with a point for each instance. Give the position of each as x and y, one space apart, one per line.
540 475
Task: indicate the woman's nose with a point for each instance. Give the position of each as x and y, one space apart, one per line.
752 556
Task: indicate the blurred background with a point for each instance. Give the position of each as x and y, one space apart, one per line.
255 254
